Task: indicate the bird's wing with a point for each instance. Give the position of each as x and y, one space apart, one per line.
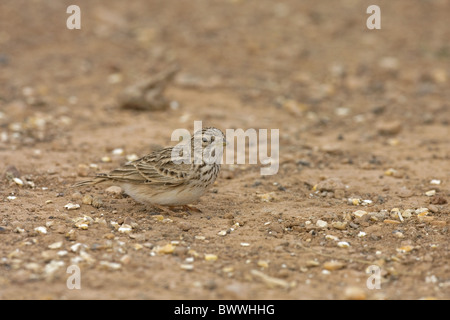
155 168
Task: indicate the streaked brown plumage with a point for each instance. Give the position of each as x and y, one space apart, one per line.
159 180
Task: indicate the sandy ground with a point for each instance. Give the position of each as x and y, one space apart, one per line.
364 129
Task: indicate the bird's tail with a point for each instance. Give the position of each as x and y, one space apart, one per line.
98 179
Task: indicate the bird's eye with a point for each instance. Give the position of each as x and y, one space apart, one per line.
212 138
205 140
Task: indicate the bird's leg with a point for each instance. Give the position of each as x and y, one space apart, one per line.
169 210
163 209
191 209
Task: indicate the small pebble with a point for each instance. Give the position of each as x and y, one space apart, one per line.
125 228
343 244
312 263
388 221
354 293
331 237
56 245
187 267
117 152
18 181
211 257
72 206
321 224
245 244
114 191
362 234
41 230
110 265
435 181
87 199
430 193
263 264
359 213
132 157
333 265
339 225
167 249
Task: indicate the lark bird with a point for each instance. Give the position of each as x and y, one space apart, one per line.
171 176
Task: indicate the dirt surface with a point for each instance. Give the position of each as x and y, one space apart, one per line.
363 114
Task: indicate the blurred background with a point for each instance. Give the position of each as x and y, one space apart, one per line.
351 103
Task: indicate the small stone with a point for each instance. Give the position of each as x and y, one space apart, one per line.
126 259
245 244
343 244
41 230
187 267
263 264
71 235
184 226
110 265
114 191
132 157
433 208
435 182
430 193
407 213
354 293
362 234
389 128
398 234
18 181
421 212
222 233
359 213
393 173
72 206
117 152
56 245
105 159
87 199
333 265
388 221
167 249
83 170
405 193
330 185
405 249
321 224
125 228
339 225
211 257
331 237
312 263
353 201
